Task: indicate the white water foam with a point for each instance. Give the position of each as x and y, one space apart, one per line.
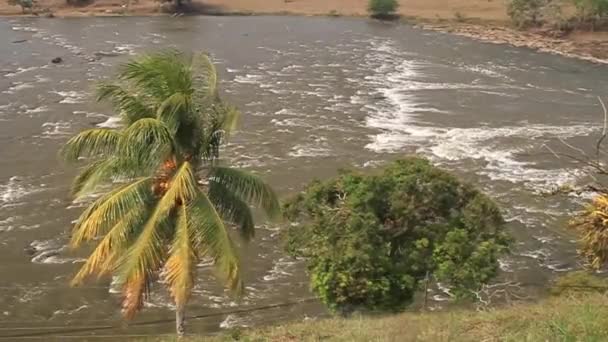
396 107
14 190
282 268
39 109
53 129
248 79
309 150
17 86
111 122
21 70
71 96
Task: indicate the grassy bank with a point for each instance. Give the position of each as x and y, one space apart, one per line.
555 319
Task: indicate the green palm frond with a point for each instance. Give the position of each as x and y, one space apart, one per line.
213 241
248 187
232 209
205 81
127 104
83 177
108 209
230 118
180 267
105 256
173 109
106 172
145 256
147 141
221 121
159 75
94 142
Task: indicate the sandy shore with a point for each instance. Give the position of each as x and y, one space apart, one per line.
484 20
434 9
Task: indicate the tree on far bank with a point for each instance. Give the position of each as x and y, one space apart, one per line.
369 240
167 197
383 9
29 4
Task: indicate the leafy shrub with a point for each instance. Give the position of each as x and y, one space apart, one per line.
382 8
591 10
526 13
579 282
370 239
23 3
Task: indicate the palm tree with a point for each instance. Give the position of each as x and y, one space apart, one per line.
167 195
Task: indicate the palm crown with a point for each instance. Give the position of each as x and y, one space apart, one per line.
166 197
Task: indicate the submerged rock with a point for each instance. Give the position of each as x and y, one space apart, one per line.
106 54
56 60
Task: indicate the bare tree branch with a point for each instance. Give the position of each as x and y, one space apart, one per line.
604 132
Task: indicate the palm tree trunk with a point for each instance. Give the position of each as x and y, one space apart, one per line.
180 320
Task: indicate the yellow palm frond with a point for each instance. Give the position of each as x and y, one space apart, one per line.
180 266
144 257
105 256
108 209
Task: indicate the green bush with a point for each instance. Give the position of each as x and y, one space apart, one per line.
525 13
382 8
591 10
23 3
370 239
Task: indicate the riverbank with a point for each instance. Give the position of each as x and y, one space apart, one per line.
478 19
556 319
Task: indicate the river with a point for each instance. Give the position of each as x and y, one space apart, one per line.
318 94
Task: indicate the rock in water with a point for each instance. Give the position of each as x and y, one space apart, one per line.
56 60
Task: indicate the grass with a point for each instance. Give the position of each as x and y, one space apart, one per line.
575 318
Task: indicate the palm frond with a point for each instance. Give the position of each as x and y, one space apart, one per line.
147 141
127 104
180 267
171 111
205 81
230 118
108 171
232 209
108 209
145 255
159 74
94 142
83 177
213 241
248 187
105 256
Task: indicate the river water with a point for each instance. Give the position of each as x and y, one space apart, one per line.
318 94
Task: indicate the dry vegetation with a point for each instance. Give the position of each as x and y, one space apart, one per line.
556 319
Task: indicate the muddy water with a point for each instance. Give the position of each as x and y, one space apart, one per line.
318 94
